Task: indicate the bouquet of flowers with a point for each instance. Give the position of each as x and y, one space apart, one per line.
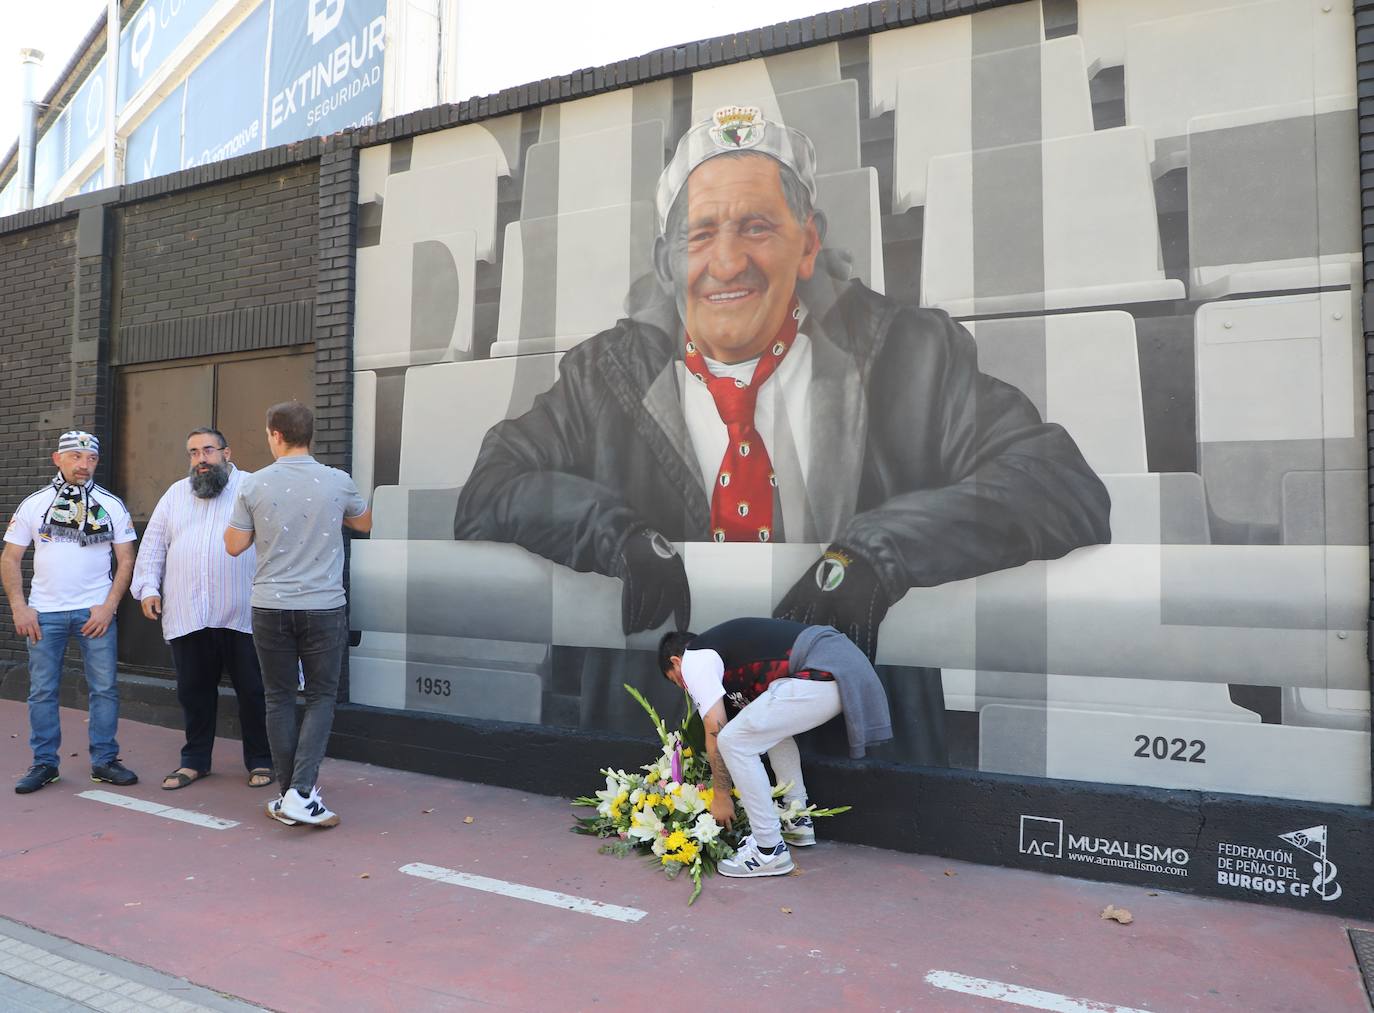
664 811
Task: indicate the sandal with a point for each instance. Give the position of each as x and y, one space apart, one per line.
182 778
260 777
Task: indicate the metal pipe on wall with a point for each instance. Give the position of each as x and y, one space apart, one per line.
29 61
112 176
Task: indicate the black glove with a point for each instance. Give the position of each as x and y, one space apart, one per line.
655 583
842 590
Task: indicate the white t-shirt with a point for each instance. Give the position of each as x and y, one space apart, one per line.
67 576
703 673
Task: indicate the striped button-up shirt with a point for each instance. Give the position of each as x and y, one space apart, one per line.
182 558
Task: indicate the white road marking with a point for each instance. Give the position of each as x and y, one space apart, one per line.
165 811
521 892
1019 995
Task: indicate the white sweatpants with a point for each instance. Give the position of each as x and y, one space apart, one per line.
787 708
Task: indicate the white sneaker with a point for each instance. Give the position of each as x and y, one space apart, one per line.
274 810
308 808
799 833
751 860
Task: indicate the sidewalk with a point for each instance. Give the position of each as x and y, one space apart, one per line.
408 906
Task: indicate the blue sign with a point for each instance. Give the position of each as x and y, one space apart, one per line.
9 196
155 145
326 67
50 158
223 109
94 181
149 39
88 113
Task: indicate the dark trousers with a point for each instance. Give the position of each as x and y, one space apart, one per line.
290 642
199 658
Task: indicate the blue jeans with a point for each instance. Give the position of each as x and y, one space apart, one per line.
99 655
291 642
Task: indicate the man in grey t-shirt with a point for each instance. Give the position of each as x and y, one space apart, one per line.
295 511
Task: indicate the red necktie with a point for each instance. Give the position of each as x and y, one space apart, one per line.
742 499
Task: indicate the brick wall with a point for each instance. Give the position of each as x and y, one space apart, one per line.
38 266
245 242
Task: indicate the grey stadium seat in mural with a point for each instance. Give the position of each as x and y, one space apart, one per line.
1091 239
463 401
498 139
1301 169
414 301
1226 61
615 110
586 171
891 53
420 203
1081 371
565 277
1104 25
1022 94
854 221
760 82
1279 391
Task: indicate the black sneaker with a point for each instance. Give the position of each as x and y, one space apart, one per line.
39 775
114 773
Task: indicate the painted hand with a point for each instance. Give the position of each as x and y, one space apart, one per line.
655 583
841 590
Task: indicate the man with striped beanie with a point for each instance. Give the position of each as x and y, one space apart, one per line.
74 526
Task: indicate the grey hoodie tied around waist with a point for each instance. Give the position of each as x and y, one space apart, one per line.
866 718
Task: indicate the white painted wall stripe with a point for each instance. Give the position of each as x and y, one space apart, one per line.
521 892
1018 995
165 811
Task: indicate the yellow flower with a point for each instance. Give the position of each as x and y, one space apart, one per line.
687 753
688 853
651 779
676 839
734 792
707 794
620 800
653 800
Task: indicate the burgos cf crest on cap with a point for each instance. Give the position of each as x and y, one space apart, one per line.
737 127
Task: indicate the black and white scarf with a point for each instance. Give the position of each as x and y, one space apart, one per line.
75 515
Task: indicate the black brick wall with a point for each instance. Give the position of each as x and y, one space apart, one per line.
37 272
245 242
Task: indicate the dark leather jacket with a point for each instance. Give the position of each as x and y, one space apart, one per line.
929 469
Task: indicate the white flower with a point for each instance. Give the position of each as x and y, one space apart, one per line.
706 829
636 796
645 826
688 800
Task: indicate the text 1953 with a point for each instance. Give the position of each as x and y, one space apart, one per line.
433 687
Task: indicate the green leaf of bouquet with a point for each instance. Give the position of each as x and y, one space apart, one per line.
649 709
694 732
832 812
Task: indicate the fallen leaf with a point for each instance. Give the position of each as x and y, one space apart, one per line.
364 875
74 754
134 903
950 872
426 810
1152 894
1117 914
787 910
467 819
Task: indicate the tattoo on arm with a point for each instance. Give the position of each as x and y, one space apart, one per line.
720 774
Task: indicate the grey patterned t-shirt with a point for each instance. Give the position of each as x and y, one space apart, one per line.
295 508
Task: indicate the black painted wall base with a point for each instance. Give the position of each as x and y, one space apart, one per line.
1310 856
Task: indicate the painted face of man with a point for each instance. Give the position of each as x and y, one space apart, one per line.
737 264
77 466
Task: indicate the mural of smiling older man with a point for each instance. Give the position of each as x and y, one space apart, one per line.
769 400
